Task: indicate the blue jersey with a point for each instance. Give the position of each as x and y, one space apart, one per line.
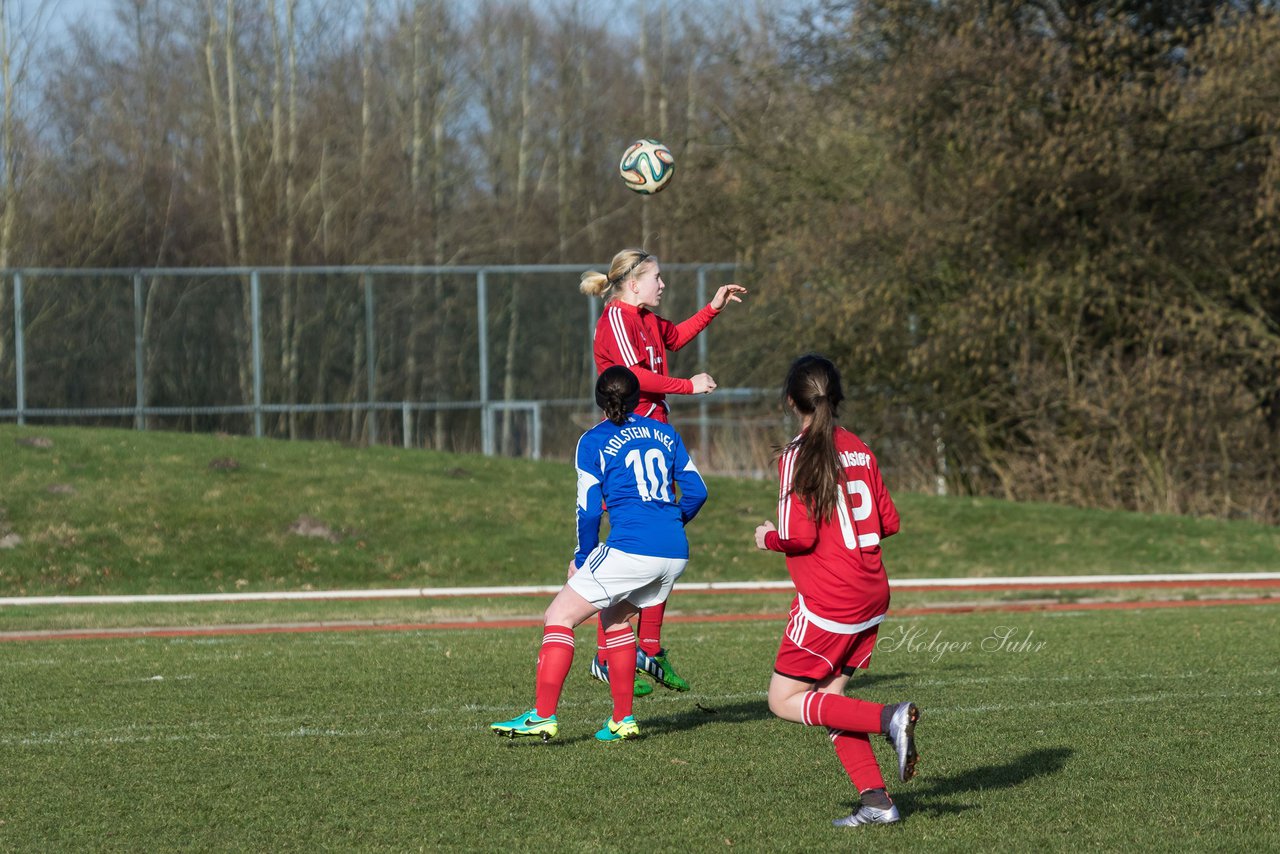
635 468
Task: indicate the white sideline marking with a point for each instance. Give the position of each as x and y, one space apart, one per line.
704 587
453 721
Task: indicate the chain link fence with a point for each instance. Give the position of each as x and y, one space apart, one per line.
492 359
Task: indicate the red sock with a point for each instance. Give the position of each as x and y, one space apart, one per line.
837 711
651 628
600 639
554 661
620 654
853 749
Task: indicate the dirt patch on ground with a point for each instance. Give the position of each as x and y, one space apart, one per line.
8 539
309 526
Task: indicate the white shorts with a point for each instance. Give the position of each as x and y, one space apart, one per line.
609 576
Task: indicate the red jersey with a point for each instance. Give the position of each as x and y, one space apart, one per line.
835 563
636 338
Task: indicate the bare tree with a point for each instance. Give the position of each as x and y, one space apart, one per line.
518 210
284 159
21 27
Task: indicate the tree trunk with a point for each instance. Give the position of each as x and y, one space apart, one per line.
522 187
417 147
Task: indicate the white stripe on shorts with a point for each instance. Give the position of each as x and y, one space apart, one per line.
609 576
805 615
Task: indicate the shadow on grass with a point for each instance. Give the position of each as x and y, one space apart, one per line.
702 715
937 796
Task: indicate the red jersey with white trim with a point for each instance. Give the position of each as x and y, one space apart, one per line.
835 563
636 338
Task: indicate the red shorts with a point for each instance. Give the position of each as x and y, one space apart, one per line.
811 653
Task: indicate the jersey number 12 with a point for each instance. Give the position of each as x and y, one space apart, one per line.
853 540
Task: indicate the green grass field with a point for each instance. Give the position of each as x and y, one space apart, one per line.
1107 729
117 511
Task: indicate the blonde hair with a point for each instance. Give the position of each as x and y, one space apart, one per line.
624 264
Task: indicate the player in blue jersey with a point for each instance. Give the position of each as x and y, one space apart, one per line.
634 464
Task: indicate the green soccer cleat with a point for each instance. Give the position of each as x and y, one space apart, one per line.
600 670
528 724
659 667
618 730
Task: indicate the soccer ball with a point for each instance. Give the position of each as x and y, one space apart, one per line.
647 166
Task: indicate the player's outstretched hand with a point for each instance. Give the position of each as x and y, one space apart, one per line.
761 532
727 294
573 567
702 383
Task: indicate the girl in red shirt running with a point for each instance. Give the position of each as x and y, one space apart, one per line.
833 511
631 335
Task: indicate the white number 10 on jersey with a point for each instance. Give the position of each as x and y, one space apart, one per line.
651 474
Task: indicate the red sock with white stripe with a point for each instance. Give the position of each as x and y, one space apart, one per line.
619 653
853 749
651 628
600 640
554 660
836 711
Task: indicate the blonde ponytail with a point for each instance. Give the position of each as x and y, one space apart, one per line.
594 284
621 269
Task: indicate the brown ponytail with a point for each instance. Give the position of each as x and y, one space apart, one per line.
617 393
813 388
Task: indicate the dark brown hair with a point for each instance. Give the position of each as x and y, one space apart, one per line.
617 393
813 388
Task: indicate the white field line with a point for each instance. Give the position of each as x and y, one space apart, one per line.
1049 581
463 720
709 587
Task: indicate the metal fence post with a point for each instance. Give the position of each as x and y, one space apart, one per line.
19 350
482 329
536 414
370 359
593 317
139 377
255 297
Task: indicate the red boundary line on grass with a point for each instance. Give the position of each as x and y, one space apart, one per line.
217 631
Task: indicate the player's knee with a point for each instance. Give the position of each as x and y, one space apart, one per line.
781 706
555 616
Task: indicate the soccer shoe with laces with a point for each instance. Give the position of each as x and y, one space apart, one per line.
659 667
526 725
600 670
618 730
868 815
902 735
